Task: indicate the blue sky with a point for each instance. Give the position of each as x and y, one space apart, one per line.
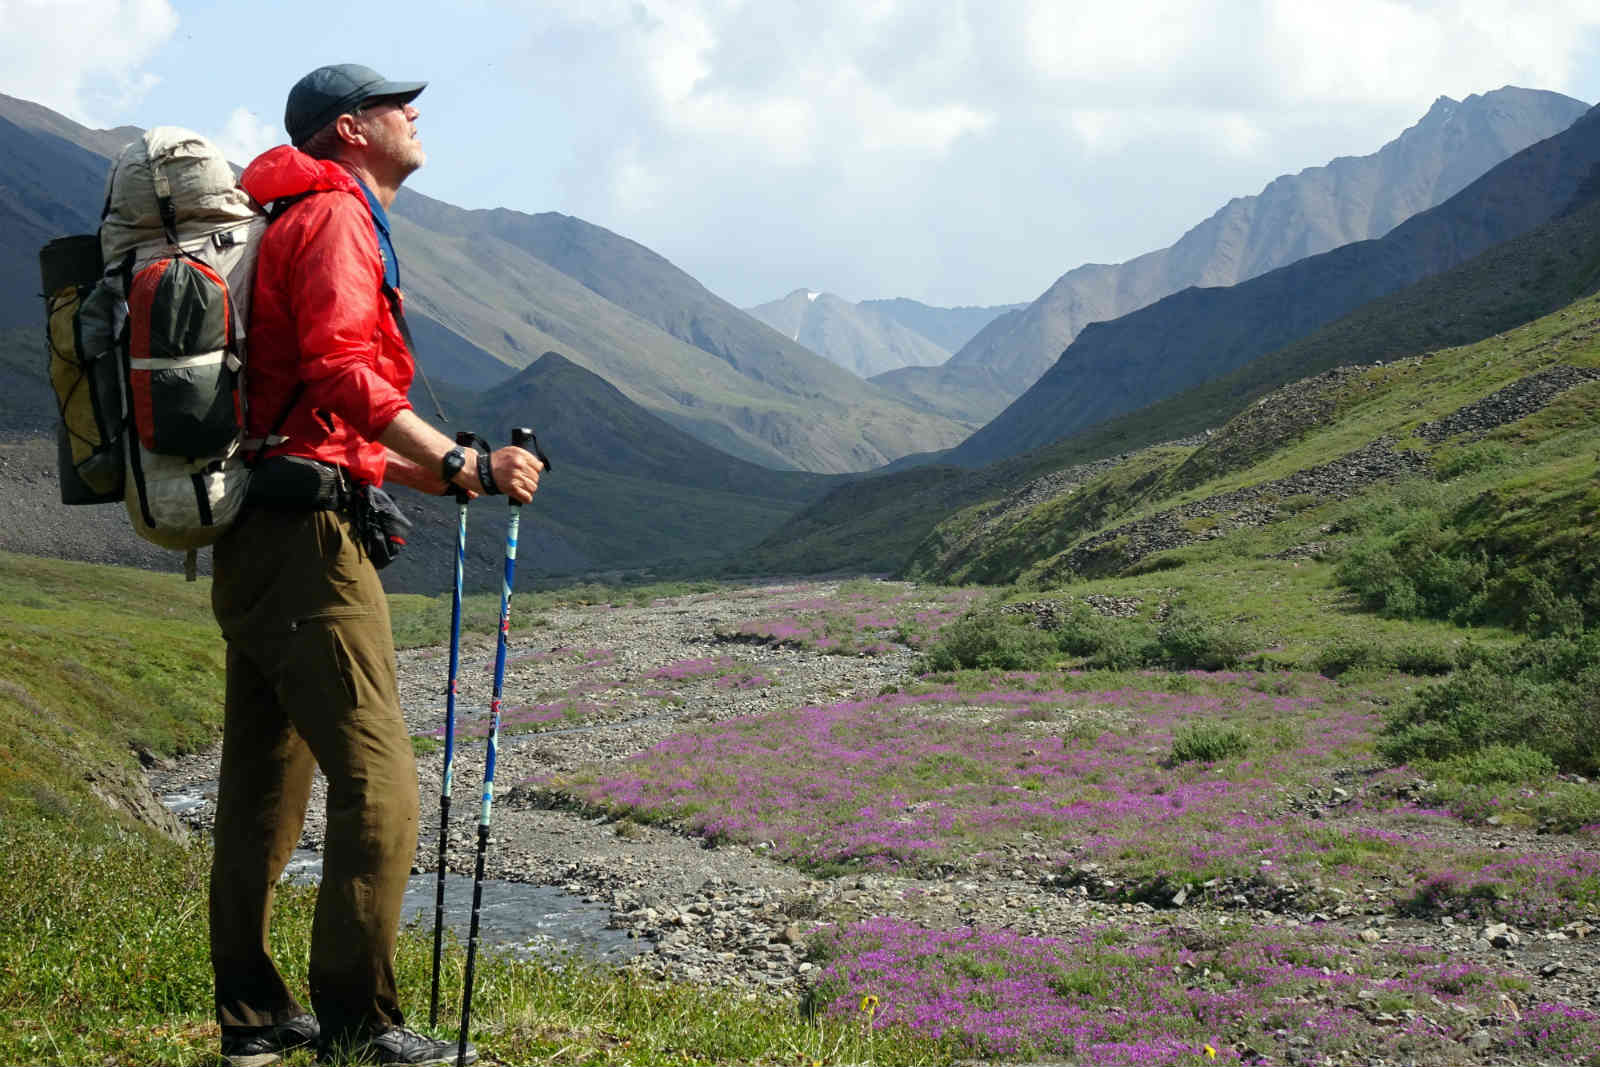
955 152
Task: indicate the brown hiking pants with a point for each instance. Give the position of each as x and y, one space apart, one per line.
311 680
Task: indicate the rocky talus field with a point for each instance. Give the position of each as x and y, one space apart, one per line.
767 795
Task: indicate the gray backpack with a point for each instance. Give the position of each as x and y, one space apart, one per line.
162 331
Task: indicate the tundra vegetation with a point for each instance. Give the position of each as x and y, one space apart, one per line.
1275 727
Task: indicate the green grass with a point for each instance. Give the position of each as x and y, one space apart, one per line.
98 663
103 959
103 944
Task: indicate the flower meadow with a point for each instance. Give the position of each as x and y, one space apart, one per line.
1079 776
1204 794
1213 991
940 777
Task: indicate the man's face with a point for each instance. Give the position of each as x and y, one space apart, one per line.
391 129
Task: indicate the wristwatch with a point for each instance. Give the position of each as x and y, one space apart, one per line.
451 465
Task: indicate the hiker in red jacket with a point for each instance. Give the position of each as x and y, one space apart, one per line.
310 655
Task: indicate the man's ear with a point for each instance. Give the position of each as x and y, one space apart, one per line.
350 130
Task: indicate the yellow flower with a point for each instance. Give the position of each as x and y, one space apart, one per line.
1211 1053
869 1004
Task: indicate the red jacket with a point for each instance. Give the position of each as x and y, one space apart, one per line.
318 315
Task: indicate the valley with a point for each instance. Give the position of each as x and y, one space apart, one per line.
1196 663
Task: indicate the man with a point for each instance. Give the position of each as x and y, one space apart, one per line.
310 656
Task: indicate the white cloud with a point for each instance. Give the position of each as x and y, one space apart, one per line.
246 135
83 58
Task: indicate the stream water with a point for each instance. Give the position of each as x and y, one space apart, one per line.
526 920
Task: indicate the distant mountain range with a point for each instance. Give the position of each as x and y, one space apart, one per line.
666 409
873 336
1200 334
509 287
1320 208
875 522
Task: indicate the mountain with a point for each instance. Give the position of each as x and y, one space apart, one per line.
863 341
882 518
949 328
657 334
1321 208
501 287
48 187
1199 334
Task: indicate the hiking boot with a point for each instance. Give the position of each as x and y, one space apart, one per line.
258 1046
395 1047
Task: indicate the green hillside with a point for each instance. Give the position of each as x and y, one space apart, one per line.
1487 451
1503 287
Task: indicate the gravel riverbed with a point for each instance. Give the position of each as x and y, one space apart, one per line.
592 685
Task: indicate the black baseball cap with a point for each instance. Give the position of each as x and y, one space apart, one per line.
328 92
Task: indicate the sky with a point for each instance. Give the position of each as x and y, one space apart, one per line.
957 153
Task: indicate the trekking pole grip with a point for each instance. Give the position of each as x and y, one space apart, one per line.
523 437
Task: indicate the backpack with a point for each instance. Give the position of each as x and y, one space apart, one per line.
166 320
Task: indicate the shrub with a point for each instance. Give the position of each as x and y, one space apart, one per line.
991 640
1421 658
1542 697
1207 742
1115 644
1485 455
1498 765
1125 646
1349 654
1189 641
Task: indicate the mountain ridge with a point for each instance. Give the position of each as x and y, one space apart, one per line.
1350 198
1200 333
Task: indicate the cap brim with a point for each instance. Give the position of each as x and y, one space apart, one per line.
405 91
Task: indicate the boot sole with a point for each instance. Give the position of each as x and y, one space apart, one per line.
254 1059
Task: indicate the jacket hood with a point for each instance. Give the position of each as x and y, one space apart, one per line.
286 171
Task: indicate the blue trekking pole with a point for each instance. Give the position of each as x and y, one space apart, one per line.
465 439
521 438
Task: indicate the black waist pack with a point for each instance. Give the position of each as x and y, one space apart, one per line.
294 483
380 524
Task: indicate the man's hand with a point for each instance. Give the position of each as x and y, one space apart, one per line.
516 472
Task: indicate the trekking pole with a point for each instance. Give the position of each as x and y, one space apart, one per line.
521 438
465 439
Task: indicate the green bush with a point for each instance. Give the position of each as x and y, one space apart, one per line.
1543 697
1349 654
991 640
1498 765
1207 742
1418 657
1190 641
1471 459
1410 559
1125 646
1114 644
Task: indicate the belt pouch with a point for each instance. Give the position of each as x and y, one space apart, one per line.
294 483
